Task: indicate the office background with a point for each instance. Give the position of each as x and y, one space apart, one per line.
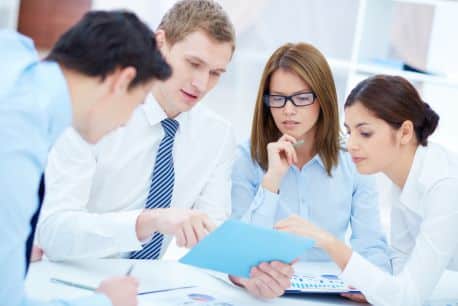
359 38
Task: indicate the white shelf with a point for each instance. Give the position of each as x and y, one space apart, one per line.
372 41
352 66
412 76
429 2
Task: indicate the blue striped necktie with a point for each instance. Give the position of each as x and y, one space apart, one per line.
161 189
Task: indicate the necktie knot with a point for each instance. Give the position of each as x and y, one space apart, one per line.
170 127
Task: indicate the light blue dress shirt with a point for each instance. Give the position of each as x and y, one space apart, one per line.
333 203
34 109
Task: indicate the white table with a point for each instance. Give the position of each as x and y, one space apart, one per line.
169 274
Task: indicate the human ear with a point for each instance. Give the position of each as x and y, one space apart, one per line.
161 40
406 132
125 77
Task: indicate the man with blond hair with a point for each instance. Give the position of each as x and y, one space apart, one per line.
149 180
166 173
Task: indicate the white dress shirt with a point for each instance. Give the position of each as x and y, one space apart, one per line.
424 233
94 193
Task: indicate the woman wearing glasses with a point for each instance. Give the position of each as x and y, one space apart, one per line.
388 126
293 163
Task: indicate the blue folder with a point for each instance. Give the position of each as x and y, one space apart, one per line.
235 247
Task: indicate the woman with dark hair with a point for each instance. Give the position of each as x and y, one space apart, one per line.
388 126
294 163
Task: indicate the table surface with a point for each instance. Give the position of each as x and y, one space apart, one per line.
154 275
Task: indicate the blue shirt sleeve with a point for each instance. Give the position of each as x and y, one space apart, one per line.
16 53
368 238
25 139
251 203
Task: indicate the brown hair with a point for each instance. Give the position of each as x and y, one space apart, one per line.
187 16
310 65
394 100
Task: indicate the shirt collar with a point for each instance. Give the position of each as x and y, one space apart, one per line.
59 105
413 189
19 54
317 159
155 114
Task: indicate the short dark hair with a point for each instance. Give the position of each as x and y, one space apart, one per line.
394 100
103 41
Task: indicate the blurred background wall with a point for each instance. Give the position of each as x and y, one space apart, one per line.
359 37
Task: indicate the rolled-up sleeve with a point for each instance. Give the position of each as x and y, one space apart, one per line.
66 229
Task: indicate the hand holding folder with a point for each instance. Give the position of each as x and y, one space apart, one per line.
235 247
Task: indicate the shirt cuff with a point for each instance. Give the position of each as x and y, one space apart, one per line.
354 273
126 234
364 276
265 206
375 284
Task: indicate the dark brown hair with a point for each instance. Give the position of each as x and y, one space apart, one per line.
311 66
394 100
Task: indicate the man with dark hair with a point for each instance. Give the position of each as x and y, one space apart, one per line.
94 77
104 41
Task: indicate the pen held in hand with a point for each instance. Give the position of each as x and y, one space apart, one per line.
72 284
165 290
298 143
129 271
89 288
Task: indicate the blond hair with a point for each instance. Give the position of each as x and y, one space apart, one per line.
311 66
187 16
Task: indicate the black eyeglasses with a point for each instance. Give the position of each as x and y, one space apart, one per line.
298 99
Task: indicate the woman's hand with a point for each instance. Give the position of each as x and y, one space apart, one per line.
336 249
281 155
297 225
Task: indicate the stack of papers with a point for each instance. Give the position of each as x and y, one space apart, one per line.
325 283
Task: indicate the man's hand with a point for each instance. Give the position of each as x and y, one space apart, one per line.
37 254
188 226
122 291
357 297
268 280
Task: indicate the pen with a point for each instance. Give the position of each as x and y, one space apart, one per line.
81 286
85 287
72 284
129 271
165 290
298 143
